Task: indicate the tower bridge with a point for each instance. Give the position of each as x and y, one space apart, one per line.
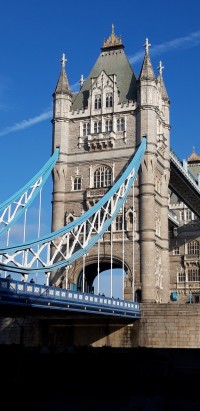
113 176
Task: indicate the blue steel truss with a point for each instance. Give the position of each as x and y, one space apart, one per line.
64 246
12 209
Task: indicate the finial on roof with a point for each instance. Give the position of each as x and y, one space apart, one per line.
160 68
63 60
113 40
194 157
147 45
81 81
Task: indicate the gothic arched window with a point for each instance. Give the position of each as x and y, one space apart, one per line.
102 177
77 183
97 102
109 100
97 127
108 125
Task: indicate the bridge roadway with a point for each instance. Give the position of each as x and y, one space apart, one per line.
31 296
184 185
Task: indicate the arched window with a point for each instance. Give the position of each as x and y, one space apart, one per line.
109 100
121 124
193 247
77 183
108 125
97 102
97 127
103 177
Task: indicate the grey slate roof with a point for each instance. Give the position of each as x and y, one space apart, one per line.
112 62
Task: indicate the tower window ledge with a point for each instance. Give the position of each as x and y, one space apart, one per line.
102 136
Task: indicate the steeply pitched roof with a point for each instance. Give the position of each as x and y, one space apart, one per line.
112 60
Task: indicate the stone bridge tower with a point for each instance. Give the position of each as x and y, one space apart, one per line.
98 129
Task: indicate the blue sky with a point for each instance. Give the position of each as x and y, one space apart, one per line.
34 34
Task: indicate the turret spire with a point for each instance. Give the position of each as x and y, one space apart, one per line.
63 85
147 69
162 84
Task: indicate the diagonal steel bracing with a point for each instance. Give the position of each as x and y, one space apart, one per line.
12 209
66 245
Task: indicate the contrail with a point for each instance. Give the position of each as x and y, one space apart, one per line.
32 121
26 123
192 40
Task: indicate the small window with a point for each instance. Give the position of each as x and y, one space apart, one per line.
77 184
97 102
109 100
86 129
97 127
176 250
120 124
181 277
119 222
108 125
188 215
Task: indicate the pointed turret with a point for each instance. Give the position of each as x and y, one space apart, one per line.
62 101
163 90
147 72
62 86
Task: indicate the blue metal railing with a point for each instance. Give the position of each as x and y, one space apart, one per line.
22 293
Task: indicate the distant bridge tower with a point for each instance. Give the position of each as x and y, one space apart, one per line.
98 130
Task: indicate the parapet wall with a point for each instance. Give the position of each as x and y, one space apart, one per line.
170 326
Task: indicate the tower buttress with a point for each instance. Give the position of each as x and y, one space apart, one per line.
149 118
62 100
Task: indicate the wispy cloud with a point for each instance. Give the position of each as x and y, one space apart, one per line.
32 121
26 123
192 40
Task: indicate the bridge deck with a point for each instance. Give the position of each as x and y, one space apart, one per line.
25 294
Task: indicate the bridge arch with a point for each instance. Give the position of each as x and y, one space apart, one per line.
94 267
